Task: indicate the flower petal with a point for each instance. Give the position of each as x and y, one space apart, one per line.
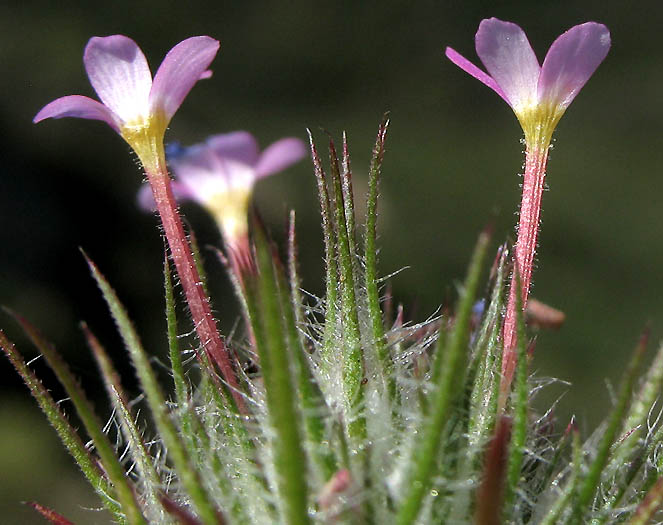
183 66
198 173
78 106
571 60
238 145
119 73
280 155
473 70
505 51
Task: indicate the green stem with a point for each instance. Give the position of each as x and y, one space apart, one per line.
289 457
425 457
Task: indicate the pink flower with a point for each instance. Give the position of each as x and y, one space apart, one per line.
219 174
538 95
133 104
140 109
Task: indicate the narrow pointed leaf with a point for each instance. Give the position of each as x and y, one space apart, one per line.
50 514
331 263
312 403
289 456
642 403
370 256
157 403
353 359
65 431
293 273
144 462
348 200
570 489
177 367
92 424
425 456
590 484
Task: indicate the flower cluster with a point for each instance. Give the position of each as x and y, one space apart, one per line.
322 413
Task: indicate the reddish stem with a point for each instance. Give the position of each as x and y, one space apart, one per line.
198 302
525 249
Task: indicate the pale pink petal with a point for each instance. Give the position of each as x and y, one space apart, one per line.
571 60
198 158
198 173
238 145
200 185
280 155
78 106
505 51
119 73
180 70
473 70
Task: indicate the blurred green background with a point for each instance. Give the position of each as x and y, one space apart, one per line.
453 155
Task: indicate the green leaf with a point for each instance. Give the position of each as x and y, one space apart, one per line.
93 426
591 482
65 431
331 263
157 403
312 403
146 470
289 458
425 456
370 255
177 368
353 358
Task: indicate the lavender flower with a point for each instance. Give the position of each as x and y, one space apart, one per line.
539 96
140 109
219 174
133 104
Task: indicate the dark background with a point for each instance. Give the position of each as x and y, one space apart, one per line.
451 166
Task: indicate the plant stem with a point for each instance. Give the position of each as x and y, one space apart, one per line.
426 455
290 462
196 298
536 158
